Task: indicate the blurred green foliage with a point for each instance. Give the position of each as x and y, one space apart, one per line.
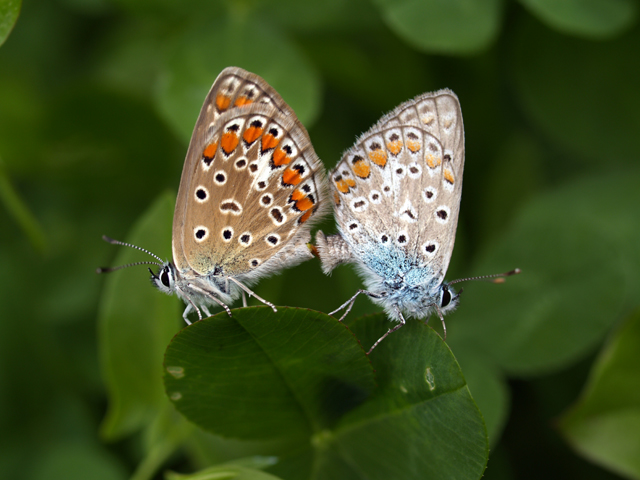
97 102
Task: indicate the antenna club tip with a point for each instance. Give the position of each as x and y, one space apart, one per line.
515 271
108 239
102 270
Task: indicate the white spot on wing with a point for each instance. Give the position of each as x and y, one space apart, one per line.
442 214
429 194
226 234
407 212
359 204
200 233
375 196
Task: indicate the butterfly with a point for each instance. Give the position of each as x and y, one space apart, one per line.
396 199
251 187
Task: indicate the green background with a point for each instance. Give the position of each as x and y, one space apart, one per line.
97 102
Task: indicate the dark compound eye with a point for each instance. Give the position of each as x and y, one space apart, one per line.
164 278
446 297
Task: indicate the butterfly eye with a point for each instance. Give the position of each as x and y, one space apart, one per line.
164 278
446 297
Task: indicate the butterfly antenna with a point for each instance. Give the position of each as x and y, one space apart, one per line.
125 244
495 278
113 269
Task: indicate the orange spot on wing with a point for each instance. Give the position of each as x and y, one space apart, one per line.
413 146
336 198
291 177
427 119
223 102
229 142
269 142
433 161
304 204
251 134
210 150
342 186
448 176
395 147
241 101
280 158
379 157
297 195
303 219
361 169
351 182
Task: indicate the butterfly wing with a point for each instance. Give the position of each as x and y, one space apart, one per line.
401 183
250 185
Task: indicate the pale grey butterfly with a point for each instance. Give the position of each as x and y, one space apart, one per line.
396 201
251 187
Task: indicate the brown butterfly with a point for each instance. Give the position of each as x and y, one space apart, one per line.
251 187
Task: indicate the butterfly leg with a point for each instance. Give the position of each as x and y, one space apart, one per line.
444 326
206 310
391 330
349 303
210 295
186 312
253 294
244 299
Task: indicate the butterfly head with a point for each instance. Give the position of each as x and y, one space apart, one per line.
165 279
448 298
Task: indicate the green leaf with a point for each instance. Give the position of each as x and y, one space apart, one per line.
222 472
422 422
451 27
9 11
582 94
196 59
301 374
587 18
135 325
604 426
262 374
577 247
